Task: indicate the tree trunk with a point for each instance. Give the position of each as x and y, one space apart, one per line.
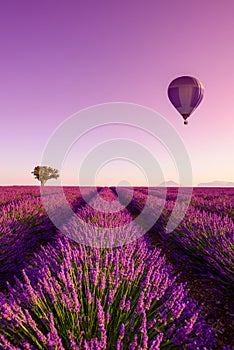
43 182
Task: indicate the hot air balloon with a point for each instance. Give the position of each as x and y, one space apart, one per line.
185 93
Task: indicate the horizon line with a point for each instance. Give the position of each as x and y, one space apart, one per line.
138 185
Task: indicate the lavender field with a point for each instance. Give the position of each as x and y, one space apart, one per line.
159 291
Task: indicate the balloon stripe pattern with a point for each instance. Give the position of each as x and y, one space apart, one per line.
185 93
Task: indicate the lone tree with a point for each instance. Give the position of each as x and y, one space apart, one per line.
44 173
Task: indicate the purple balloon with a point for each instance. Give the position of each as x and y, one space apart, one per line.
185 93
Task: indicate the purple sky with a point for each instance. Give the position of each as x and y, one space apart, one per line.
58 57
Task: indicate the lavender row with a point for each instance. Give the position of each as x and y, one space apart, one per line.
104 222
24 226
209 239
214 200
9 193
206 237
150 207
219 201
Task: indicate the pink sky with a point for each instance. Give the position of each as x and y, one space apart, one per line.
58 57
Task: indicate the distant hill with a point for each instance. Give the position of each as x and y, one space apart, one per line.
216 184
169 184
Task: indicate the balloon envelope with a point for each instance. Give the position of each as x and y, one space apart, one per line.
185 93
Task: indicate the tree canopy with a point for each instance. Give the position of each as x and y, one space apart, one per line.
44 173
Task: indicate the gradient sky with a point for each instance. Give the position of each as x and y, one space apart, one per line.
58 57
